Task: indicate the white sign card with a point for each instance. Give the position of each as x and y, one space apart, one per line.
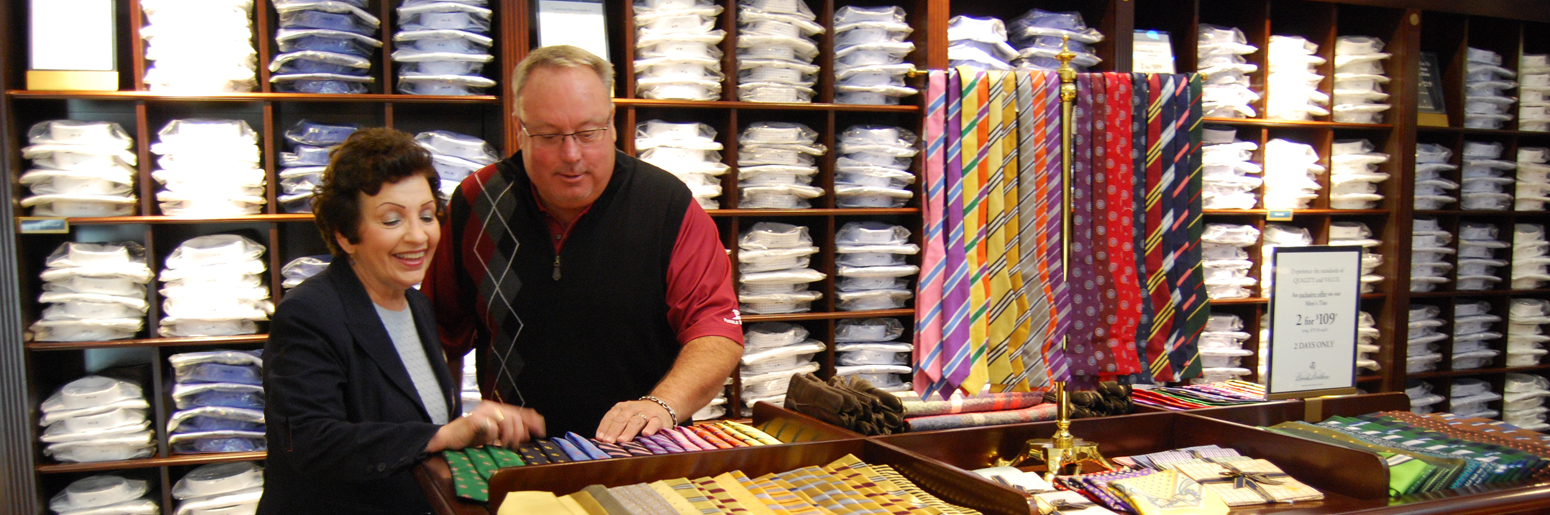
578 23
72 35
1152 53
1315 299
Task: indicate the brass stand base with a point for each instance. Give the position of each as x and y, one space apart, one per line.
1059 460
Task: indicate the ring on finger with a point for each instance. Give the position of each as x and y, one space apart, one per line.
643 417
499 416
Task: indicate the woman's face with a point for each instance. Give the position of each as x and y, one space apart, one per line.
398 235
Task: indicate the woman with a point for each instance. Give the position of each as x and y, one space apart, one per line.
357 389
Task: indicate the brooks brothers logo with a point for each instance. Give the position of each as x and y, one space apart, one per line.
1312 373
737 318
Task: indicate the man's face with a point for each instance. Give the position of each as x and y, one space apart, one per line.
568 173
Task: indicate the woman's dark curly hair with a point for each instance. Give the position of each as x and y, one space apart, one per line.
365 162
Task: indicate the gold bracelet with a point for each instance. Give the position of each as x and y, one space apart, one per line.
670 413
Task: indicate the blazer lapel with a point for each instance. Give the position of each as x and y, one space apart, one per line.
368 332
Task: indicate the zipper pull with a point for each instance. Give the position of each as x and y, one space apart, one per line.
556 268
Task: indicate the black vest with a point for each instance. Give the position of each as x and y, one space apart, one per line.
599 335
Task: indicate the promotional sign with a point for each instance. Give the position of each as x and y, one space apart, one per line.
1315 298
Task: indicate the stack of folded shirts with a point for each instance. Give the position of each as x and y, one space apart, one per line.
199 47
870 259
1221 349
776 162
1422 400
1469 398
1354 175
868 349
1291 175
303 268
978 43
772 353
1038 37
716 409
1224 251
873 169
469 390
1487 91
1530 262
1431 189
220 488
1526 320
1358 234
1293 83
1477 261
1226 93
1472 335
775 51
302 168
1367 342
216 426
1533 187
1428 255
94 292
869 50
443 46
1423 352
104 494
1230 179
1533 108
687 150
1523 403
455 156
1486 177
96 418
80 169
773 269
326 46
1277 235
1359 80
677 50
209 168
212 287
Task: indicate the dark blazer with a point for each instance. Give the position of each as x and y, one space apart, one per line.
345 423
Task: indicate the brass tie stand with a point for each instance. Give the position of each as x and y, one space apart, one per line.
1062 453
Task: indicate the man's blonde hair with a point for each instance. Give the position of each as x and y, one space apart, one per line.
561 56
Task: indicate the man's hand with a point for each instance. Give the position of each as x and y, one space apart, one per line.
631 418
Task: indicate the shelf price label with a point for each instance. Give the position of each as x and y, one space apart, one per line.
1315 296
42 225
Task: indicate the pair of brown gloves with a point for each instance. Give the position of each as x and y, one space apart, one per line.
850 403
1111 398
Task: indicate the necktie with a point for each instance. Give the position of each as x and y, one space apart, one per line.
955 291
1086 362
1138 127
1054 222
586 446
665 443
1031 191
505 457
976 125
1158 91
466 480
613 450
635 448
928 298
1194 310
1119 217
1103 339
1008 308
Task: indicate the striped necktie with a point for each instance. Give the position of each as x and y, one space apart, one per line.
1030 215
928 298
1118 218
1008 307
976 173
1138 100
955 288
1159 136
1054 221
1194 309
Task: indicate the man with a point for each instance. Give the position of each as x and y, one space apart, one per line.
594 287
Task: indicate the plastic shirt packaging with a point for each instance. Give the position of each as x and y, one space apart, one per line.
1220 52
219 488
199 47
687 150
211 289
455 156
776 163
104 495
312 143
1227 178
979 43
442 48
1359 93
1488 95
772 290
1037 36
1292 84
1354 175
877 78
206 429
873 170
94 292
776 30
82 169
96 418
1226 260
209 168
1278 235
1290 170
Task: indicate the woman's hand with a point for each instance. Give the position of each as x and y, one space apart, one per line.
492 423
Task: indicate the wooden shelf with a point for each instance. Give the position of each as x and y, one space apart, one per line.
1460 212
151 342
170 461
725 104
1285 124
249 97
1297 212
1476 371
1478 132
897 211
1455 293
834 315
1255 301
160 219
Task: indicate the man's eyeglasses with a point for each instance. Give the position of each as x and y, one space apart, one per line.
583 138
